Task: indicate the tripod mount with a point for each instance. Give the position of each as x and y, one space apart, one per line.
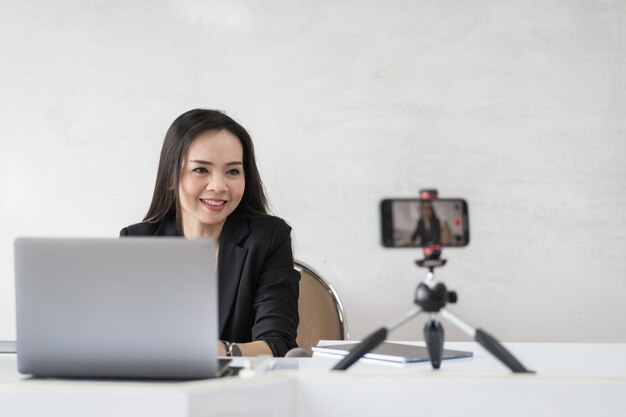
431 297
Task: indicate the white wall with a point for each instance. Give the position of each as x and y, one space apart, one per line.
518 106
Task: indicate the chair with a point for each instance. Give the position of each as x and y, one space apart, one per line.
321 312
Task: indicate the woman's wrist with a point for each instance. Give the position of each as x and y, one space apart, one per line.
222 349
231 349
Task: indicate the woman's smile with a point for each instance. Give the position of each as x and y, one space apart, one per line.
213 204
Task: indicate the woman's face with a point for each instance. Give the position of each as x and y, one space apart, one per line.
427 211
212 180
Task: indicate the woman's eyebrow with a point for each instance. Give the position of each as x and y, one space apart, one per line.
200 161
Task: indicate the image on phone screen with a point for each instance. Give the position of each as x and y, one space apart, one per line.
418 223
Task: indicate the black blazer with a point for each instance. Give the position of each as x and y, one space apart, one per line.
258 285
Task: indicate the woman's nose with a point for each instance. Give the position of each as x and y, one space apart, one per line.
217 184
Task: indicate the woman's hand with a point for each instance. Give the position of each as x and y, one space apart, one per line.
221 348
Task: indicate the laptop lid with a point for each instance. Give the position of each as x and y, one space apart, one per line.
120 308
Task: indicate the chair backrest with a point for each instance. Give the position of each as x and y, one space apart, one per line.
321 311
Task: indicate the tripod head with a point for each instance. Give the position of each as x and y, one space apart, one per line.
432 258
432 298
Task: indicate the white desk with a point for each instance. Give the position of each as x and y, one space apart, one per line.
572 380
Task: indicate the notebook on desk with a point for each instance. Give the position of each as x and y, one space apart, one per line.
116 308
391 352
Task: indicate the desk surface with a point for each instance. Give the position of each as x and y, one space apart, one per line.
572 380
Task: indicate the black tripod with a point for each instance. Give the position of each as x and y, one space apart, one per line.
432 298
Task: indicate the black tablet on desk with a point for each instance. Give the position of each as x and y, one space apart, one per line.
392 352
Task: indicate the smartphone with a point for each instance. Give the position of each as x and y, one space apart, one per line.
413 222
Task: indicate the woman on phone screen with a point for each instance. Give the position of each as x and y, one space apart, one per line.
428 229
208 186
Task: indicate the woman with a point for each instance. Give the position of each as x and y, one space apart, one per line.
208 186
428 229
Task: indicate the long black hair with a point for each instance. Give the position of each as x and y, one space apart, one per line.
187 127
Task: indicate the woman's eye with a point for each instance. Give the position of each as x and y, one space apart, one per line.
233 172
200 170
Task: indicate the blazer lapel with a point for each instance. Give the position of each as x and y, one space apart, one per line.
231 259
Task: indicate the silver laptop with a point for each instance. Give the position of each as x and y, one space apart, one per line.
116 308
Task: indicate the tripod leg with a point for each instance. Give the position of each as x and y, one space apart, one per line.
433 334
368 344
496 349
373 340
488 342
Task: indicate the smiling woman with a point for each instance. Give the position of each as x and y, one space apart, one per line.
208 186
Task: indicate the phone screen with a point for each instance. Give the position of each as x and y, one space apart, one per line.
418 223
